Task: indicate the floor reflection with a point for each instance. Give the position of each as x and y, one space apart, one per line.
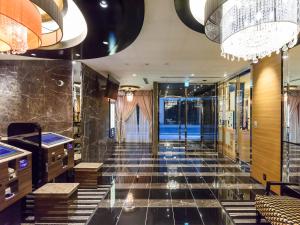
174 187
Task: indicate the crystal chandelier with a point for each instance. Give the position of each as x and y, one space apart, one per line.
128 91
129 96
253 29
15 35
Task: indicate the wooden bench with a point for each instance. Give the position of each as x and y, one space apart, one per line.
277 210
54 198
87 174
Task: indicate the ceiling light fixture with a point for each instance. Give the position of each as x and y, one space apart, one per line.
105 42
129 91
103 4
134 75
20 26
192 75
77 54
129 96
251 30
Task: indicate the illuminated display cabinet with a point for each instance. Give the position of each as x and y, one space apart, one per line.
52 154
15 174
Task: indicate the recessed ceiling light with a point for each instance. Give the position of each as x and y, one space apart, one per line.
77 54
134 75
192 75
103 4
105 42
225 74
33 54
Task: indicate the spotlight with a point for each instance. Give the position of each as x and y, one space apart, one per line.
103 4
105 42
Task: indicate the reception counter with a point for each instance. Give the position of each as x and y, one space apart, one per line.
15 174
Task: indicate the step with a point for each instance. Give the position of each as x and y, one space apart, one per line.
248 221
234 203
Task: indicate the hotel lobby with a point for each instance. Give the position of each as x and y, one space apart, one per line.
149 112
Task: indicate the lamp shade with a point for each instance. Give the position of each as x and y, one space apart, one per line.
52 20
20 26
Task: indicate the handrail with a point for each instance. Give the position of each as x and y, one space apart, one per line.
288 142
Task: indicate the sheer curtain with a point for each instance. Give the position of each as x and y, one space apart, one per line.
137 128
125 111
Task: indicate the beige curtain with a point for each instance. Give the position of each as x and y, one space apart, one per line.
124 110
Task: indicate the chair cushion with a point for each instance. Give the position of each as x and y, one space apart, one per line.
279 210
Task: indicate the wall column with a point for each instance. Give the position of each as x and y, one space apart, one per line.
155 131
266 120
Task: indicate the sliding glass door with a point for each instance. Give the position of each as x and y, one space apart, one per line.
186 114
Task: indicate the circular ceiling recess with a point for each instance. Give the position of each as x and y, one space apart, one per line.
94 28
191 13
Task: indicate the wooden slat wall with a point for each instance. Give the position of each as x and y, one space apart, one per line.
266 137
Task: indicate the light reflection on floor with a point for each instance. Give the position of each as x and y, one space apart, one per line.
161 190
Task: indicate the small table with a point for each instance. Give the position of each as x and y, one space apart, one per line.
87 174
52 198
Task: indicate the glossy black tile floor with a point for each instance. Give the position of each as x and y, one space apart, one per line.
176 186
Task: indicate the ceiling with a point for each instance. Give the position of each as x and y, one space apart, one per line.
166 50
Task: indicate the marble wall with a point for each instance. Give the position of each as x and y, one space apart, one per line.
36 91
96 144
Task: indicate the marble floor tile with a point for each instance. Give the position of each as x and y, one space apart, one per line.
176 186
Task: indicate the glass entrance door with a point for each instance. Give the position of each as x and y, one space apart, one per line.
180 119
187 115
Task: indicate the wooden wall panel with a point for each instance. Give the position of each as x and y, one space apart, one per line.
266 136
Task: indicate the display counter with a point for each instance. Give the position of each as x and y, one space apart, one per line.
58 154
15 174
53 154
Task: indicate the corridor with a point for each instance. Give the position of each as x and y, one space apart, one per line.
177 186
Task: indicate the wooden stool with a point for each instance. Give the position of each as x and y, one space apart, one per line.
87 174
54 199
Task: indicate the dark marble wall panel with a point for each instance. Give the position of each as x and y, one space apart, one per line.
96 144
36 91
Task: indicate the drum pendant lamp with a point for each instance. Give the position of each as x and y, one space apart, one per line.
20 26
